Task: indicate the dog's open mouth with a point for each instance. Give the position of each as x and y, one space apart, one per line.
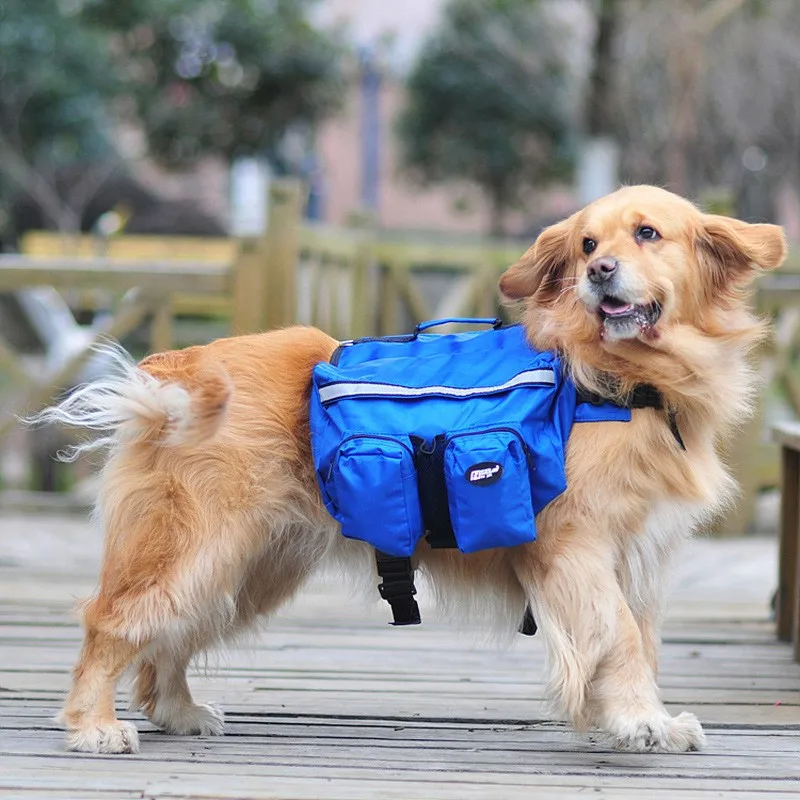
614 311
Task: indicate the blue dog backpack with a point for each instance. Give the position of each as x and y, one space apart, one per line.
457 437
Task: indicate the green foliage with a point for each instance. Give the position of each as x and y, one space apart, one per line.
196 76
488 101
55 79
226 76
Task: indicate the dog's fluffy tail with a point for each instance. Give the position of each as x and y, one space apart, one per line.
134 404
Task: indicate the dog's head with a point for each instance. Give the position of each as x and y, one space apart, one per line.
634 263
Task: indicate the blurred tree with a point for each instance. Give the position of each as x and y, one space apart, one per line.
708 97
224 76
55 83
194 76
488 102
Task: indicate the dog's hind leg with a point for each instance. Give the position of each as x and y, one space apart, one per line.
89 714
155 573
161 691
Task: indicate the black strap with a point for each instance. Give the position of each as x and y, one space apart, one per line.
398 588
673 426
643 396
528 626
429 461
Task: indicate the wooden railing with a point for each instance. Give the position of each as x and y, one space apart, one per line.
141 290
360 282
350 282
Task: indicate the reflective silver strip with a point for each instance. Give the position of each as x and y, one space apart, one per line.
336 391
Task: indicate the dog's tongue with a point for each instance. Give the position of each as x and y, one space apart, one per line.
614 307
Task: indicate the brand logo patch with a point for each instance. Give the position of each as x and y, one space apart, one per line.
485 473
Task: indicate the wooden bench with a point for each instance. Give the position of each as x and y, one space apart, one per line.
787 603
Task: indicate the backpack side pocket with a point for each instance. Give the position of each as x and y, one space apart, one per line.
373 485
489 489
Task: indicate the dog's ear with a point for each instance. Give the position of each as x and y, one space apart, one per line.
733 251
543 264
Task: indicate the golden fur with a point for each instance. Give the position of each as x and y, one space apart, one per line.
213 517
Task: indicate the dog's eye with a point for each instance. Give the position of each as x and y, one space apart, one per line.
647 233
589 245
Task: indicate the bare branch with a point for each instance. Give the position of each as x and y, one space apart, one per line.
30 180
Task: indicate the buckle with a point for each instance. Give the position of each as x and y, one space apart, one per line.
593 399
646 396
398 588
405 612
394 589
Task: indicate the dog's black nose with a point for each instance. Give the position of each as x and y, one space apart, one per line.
601 269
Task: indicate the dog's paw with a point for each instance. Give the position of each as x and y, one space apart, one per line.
192 720
662 734
109 737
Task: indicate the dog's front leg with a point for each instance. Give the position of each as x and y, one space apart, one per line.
649 623
600 673
624 698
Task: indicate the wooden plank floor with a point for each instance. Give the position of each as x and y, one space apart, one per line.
332 703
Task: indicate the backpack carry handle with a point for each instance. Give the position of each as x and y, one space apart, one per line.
495 322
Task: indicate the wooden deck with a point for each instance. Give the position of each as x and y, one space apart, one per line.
332 703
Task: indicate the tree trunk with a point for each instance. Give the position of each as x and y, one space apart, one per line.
497 211
684 64
694 22
598 159
600 102
69 220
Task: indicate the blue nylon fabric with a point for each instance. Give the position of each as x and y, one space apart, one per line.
364 455
586 412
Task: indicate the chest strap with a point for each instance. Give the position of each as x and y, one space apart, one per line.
643 396
397 574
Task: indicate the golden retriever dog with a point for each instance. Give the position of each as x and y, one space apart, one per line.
213 518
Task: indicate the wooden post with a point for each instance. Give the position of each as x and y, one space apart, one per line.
249 293
487 304
364 292
785 610
787 605
161 330
387 303
743 458
361 309
287 198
